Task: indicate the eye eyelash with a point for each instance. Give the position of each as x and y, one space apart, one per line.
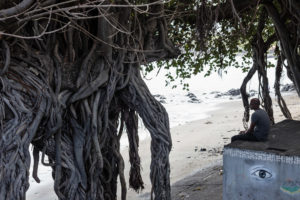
262 173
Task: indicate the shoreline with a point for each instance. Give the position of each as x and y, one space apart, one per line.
211 134
194 148
197 147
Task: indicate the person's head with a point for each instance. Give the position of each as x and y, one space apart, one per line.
254 104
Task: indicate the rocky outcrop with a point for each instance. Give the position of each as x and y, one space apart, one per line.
193 98
160 98
233 93
288 88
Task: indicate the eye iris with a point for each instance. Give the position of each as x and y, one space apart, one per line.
262 174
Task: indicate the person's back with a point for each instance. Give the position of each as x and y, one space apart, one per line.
262 124
259 127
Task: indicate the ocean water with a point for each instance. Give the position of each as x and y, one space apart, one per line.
177 104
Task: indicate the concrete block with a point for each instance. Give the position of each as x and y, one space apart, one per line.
264 170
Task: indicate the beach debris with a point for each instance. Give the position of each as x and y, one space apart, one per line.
208 122
196 148
233 130
215 151
188 157
221 172
203 149
183 195
197 188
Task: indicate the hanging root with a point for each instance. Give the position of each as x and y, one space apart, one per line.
156 120
245 96
283 107
259 57
72 78
20 119
131 121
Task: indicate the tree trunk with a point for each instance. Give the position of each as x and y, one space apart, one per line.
288 48
66 85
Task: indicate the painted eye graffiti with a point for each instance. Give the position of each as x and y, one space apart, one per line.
261 174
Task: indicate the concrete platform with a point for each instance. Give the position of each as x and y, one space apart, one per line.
284 139
264 170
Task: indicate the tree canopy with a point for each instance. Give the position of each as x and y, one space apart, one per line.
213 33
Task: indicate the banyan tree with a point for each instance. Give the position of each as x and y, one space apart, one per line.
212 34
260 27
70 85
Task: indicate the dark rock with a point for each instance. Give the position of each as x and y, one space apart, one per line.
233 92
193 98
162 101
218 95
160 98
191 95
215 92
288 88
194 101
203 149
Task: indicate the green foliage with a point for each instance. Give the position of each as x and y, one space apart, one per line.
228 40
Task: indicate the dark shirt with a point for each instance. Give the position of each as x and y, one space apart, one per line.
262 124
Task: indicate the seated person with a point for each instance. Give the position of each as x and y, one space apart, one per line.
259 127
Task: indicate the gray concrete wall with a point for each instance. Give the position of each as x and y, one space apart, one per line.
254 175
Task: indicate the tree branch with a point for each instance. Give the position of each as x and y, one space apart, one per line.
17 9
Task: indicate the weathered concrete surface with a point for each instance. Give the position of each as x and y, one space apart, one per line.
284 139
204 185
264 170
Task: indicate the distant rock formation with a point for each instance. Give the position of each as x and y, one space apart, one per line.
233 93
193 98
288 88
160 98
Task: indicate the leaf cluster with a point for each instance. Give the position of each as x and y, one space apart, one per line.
227 40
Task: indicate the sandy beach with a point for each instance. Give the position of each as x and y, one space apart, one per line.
197 145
